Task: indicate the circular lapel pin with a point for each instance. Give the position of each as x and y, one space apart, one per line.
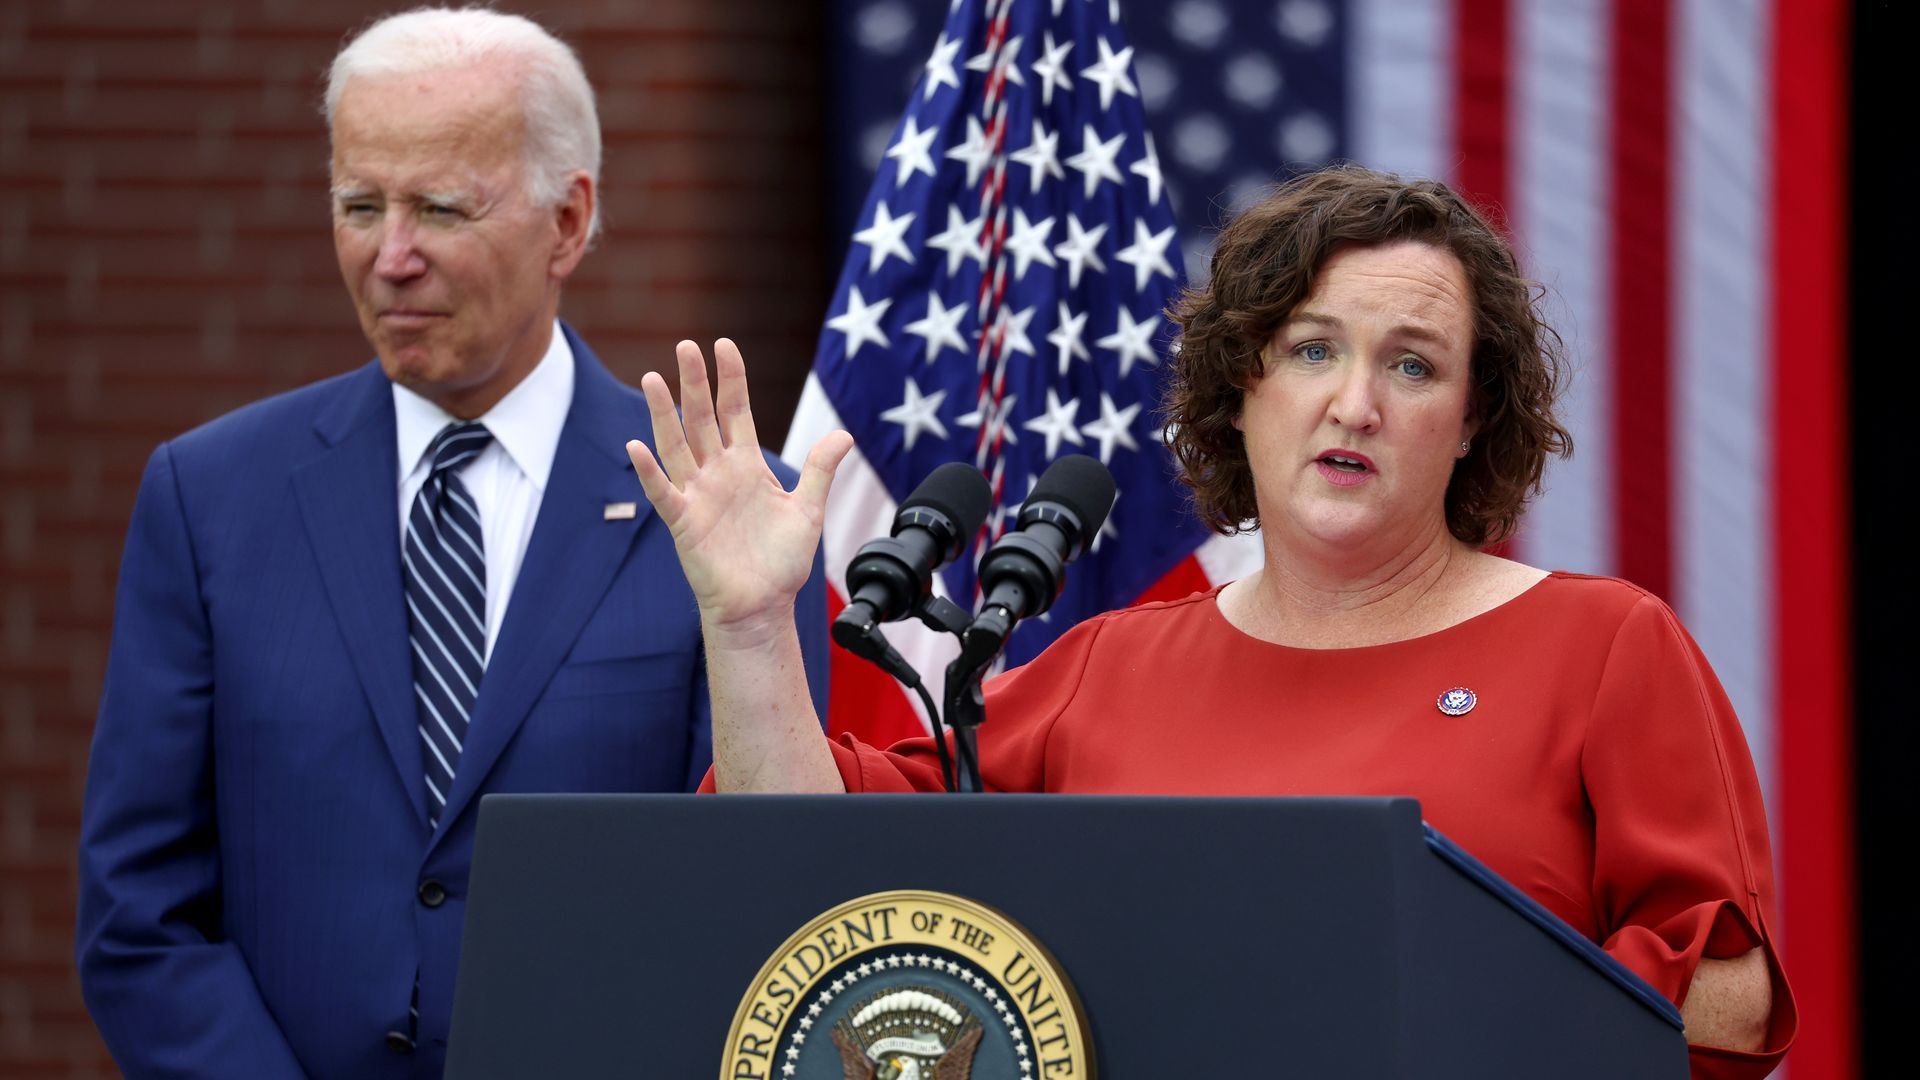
1458 701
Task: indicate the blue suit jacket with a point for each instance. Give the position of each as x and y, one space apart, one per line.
255 839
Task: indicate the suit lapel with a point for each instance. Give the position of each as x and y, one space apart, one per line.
349 502
571 561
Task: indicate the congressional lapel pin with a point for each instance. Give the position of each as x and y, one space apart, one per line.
1458 701
620 511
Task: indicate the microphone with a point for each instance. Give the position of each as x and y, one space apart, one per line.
1023 572
888 578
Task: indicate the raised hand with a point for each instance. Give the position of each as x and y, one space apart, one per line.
745 543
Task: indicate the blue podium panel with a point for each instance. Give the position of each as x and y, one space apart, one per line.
618 935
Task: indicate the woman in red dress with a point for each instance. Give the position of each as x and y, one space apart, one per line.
1364 379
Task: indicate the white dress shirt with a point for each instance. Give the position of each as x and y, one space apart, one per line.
506 479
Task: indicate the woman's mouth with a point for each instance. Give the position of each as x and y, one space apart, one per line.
1344 469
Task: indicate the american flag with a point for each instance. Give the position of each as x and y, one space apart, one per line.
1002 303
1672 170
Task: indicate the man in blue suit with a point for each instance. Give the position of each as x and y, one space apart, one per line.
347 612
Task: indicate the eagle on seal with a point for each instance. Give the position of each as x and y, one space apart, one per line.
955 1064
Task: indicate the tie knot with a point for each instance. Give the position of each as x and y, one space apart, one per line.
456 445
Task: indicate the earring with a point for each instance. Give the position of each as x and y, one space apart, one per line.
1464 446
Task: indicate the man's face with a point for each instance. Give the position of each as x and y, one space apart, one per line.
454 273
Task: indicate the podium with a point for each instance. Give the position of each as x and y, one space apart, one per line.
619 935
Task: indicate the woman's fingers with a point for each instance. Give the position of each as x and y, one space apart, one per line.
736 412
816 476
666 499
696 402
669 441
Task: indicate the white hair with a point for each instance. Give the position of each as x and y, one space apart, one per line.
562 125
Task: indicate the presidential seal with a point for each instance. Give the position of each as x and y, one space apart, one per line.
909 985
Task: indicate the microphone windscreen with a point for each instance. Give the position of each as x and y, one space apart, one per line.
1082 485
957 490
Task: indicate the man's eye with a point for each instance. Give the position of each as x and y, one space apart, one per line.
357 209
441 213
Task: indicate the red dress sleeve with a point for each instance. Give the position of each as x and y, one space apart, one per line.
1682 869
1022 706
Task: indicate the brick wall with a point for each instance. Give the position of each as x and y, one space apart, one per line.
165 257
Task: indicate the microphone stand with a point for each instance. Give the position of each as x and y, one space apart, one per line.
980 647
942 615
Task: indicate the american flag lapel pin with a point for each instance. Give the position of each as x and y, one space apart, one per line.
620 511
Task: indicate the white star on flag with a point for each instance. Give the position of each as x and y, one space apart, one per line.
1110 73
1065 337
1132 340
886 236
1081 248
993 418
912 152
939 327
1028 244
1051 67
1148 167
1095 161
940 66
1012 327
861 321
1041 156
1111 428
1147 254
976 152
918 413
985 61
1057 422
962 240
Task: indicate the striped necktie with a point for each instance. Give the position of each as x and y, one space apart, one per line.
446 584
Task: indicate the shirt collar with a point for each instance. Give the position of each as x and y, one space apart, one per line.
526 423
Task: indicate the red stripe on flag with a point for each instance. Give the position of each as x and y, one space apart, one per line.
1181 582
862 700
1483 49
1810 508
1641 281
1480 100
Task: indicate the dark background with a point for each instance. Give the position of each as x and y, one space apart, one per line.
1884 490
165 257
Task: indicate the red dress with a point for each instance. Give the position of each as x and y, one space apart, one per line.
1601 769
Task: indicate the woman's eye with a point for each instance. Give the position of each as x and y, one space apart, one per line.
1413 368
1314 353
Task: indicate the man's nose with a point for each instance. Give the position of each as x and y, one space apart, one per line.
399 258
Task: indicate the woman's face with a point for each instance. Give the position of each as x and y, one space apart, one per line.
1354 428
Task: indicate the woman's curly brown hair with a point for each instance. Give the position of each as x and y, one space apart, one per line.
1264 266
